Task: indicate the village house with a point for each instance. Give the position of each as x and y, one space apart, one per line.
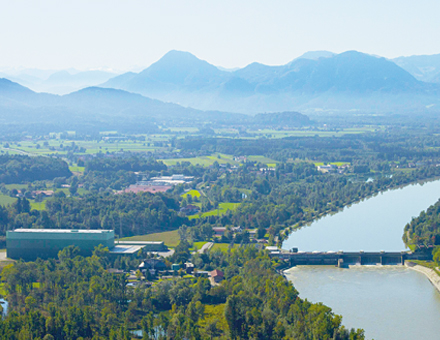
190 209
217 276
219 231
152 264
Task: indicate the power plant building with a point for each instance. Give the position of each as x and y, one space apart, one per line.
30 244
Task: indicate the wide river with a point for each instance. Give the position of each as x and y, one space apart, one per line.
388 302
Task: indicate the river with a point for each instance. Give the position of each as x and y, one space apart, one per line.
388 302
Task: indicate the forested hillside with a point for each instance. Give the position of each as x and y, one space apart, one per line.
424 229
20 169
129 214
139 214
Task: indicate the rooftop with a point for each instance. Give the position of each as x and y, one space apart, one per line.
139 243
217 272
125 249
62 231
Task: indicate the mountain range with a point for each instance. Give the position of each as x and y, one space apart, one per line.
58 82
97 109
180 87
317 81
422 67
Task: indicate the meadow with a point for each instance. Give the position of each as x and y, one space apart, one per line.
170 238
222 209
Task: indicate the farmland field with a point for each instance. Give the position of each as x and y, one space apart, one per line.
6 200
222 209
193 193
223 246
170 238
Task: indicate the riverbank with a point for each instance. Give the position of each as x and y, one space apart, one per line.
286 232
372 225
433 277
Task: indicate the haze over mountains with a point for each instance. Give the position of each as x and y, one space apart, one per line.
98 109
58 82
422 67
318 81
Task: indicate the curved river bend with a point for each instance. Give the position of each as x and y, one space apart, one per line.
388 302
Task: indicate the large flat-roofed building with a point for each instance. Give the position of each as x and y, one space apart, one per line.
30 244
146 245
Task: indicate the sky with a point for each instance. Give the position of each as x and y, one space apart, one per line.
126 35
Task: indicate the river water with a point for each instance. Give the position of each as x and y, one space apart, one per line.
388 302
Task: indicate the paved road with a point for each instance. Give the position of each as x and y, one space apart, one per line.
205 247
2 255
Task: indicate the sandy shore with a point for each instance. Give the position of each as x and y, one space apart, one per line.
431 274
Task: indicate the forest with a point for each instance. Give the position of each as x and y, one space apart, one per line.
21 169
425 228
128 214
78 298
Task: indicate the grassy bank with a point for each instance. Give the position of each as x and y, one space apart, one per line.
170 238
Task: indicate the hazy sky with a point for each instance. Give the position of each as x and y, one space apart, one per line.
127 34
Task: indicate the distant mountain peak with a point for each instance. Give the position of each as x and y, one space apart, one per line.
179 59
318 79
179 68
176 54
9 86
315 55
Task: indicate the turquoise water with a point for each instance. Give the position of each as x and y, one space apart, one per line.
388 302
371 225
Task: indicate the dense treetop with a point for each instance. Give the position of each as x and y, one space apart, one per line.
77 298
424 229
20 169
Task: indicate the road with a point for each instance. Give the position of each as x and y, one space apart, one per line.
205 247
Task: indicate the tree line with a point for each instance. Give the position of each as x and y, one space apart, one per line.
21 169
78 298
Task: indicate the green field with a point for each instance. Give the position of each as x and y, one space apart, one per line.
220 159
203 160
38 205
222 209
223 246
170 238
77 168
58 146
311 133
5 200
198 245
193 193
16 186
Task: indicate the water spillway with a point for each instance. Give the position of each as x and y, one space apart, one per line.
343 259
388 301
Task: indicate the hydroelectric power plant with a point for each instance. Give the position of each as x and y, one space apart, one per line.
343 259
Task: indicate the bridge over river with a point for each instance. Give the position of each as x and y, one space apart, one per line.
343 259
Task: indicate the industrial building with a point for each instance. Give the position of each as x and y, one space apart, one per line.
30 244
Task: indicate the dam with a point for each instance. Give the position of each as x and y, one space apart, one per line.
343 259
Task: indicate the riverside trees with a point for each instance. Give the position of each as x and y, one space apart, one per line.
77 298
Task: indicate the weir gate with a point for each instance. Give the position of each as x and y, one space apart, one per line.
343 259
